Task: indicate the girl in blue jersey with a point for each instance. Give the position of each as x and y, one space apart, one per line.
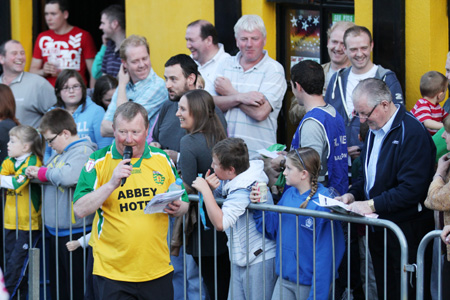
24 149
302 171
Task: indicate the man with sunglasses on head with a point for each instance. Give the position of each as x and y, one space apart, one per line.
358 46
397 167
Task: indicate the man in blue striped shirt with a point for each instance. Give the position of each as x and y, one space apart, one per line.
137 82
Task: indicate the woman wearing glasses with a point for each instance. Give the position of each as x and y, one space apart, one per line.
297 261
71 95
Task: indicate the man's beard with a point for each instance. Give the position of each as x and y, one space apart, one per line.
177 98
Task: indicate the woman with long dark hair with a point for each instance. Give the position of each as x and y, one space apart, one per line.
204 129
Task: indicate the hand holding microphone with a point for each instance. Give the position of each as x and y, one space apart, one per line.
127 154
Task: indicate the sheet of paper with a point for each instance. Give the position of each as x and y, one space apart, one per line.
160 201
339 207
268 153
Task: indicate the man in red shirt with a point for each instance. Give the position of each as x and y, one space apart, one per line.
63 46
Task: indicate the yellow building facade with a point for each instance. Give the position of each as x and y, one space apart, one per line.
164 25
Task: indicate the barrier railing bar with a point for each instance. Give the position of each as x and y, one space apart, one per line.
199 221
56 245
215 265
70 239
184 259
44 266
366 265
3 191
334 260
280 230
247 256
421 261
298 255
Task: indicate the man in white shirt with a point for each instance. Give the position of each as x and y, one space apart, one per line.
207 52
251 87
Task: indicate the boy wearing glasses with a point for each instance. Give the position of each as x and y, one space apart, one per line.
62 171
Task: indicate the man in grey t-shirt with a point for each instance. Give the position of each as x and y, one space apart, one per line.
34 95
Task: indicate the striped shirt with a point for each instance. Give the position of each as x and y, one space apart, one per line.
111 60
150 93
425 110
267 77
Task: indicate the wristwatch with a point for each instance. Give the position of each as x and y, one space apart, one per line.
283 164
371 205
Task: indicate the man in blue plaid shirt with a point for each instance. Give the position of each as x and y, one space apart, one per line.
137 82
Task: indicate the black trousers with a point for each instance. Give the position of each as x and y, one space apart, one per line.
91 292
64 268
158 289
16 254
414 231
445 278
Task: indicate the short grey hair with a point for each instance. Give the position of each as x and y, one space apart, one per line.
129 110
249 23
376 90
340 24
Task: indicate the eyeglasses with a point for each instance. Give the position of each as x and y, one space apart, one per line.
53 138
301 160
364 116
75 87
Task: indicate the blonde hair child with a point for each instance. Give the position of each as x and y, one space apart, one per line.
24 149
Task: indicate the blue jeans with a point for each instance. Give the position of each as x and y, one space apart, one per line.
192 284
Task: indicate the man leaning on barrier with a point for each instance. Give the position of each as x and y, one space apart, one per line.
131 255
397 167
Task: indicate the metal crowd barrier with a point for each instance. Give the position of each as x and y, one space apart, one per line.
421 264
387 225
38 271
38 265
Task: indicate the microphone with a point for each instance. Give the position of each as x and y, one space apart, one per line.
127 153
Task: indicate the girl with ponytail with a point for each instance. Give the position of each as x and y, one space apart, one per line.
302 172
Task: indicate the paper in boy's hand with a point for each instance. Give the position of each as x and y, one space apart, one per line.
267 153
160 201
339 207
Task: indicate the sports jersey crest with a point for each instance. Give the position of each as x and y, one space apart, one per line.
89 165
21 179
158 178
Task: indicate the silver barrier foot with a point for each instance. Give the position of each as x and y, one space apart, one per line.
33 274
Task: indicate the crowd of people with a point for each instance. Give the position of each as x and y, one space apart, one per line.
103 134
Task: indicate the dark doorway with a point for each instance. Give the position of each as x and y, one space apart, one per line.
324 11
